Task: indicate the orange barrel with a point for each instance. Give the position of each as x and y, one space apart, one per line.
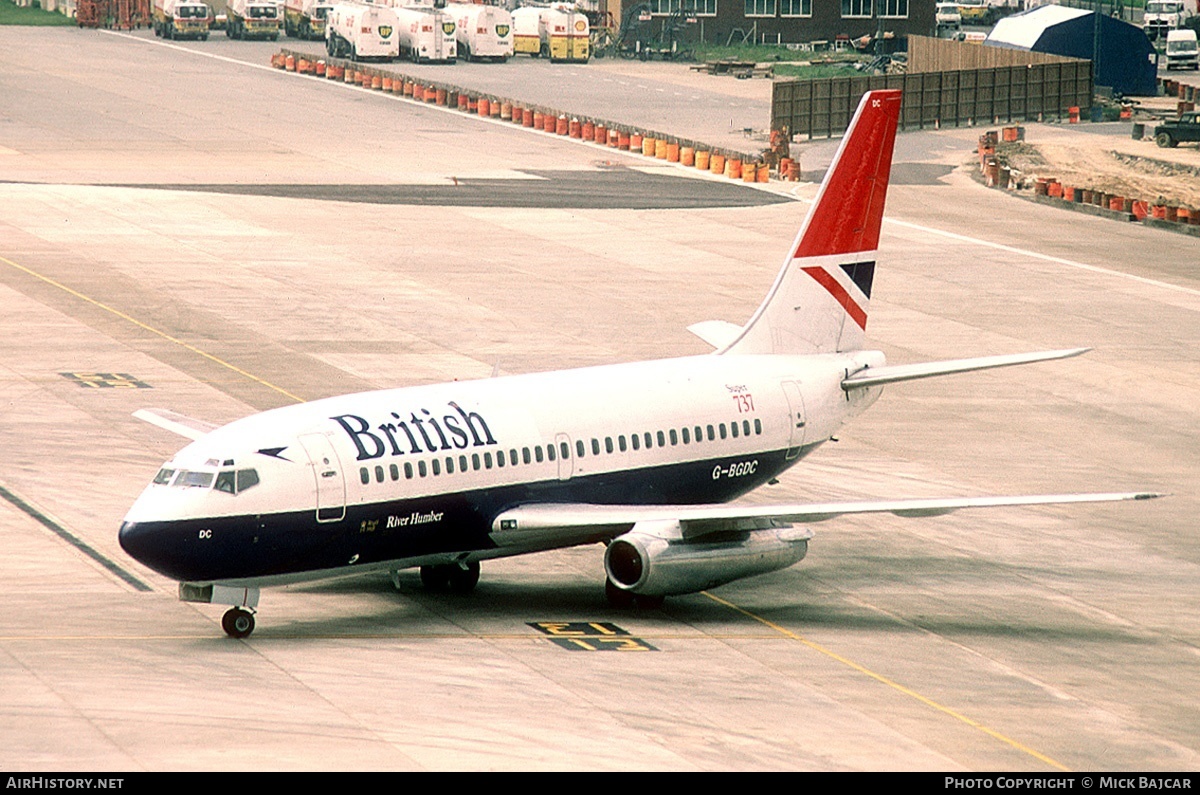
528 118
614 139
550 122
635 142
587 130
483 106
408 87
348 75
1040 188
330 72
648 146
764 172
290 63
1140 210
302 66
749 172
1054 190
687 155
1170 213
506 111
1183 215
376 83
716 164
660 148
562 125
601 135
673 153
1073 114
275 60
320 69
1069 192
472 104
430 94
702 158
441 95
1116 203
494 112
575 129
387 84
733 168
623 140
1158 211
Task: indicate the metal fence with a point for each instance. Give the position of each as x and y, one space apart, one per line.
1022 92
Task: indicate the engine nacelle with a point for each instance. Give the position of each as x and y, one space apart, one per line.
653 559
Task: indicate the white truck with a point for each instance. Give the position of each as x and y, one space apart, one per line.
427 33
358 32
482 31
1182 50
305 19
1163 16
181 19
253 19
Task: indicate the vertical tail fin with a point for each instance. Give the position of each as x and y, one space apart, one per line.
820 299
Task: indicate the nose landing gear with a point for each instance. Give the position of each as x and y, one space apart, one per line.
238 622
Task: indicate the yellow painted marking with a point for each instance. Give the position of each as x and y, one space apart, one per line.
892 684
152 330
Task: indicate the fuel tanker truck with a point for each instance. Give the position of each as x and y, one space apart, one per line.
482 31
253 19
305 19
181 19
360 32
427 32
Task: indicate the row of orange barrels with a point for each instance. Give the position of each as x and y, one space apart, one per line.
730 164
1138 208
1174 88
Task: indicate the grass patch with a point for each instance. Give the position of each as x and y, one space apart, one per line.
11 14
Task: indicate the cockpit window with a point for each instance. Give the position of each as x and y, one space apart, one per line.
164 476
189 479
235 482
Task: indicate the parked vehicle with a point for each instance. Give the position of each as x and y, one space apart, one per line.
253 19
1163 16
305 19
1182 50
181 19
482 31
1185 129
358 32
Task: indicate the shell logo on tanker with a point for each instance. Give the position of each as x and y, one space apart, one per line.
580 25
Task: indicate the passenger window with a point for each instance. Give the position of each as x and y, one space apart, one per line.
758 427
721 428
421 470
700 434
637 442
674 437
621 442
608 445
487 460
364 475
550 451
525 455
408 470
449 465
579 448
564 450
595 447
537 453
394 471
475 461
687 436
733 429
225 482
711 436
437 466
499 458
462 463
512 457
378 474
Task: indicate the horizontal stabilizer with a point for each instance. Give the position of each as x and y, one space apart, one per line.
878 376
698 520
176 423
717 333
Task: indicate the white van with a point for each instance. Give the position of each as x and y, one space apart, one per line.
1182 51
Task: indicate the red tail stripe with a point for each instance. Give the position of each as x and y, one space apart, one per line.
826 280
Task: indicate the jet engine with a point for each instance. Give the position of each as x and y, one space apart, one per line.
657 559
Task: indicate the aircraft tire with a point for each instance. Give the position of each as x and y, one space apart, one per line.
238 623
435 578
463 580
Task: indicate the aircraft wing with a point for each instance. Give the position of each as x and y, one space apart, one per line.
176 423
599 521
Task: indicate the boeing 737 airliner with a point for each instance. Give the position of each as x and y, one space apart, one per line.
643 457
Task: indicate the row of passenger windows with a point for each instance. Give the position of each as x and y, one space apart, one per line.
552 452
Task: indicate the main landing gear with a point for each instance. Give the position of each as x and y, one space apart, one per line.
455 577
238 622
